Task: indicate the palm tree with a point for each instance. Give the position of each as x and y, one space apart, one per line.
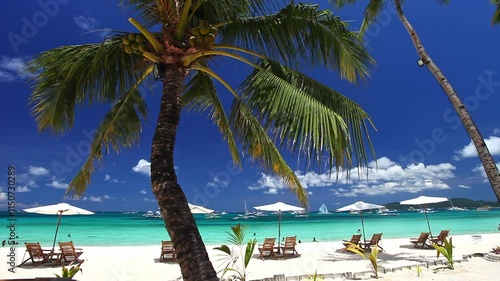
275 107
371 13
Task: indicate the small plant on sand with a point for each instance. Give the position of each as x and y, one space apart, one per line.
314 277
446 250
372 256
238 257
69 273
419 271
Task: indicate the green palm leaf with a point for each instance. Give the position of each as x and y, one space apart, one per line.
121 127
496 16
260 146
200 95
71 75
301 36
307 116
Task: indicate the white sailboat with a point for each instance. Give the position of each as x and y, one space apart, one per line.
247 214
323 210
453 208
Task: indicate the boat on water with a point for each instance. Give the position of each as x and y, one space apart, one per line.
300 214
323 210
245 216
483 208
151 214
454 208
386 212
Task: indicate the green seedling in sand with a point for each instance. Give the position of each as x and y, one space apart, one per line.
314 277
446 250
238 257
69 273
419 271
372 256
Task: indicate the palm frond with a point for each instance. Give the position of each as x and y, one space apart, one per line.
301 35
371 13
153 12
306 116
120 127
259 145
200 95
70 75
218 11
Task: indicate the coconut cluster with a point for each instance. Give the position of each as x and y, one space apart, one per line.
134 43
203 35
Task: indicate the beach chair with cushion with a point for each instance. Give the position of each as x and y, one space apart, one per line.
37 255
69 253
267 249
421 241
354 241
167 251
439 240
374 242
288 249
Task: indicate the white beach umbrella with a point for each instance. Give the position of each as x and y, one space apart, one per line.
279 207
195 209
424 200
360 206
61 209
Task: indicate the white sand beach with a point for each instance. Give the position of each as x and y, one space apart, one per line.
398 261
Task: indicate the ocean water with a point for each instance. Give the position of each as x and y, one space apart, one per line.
116 228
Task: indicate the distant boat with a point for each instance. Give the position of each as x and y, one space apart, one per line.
247 214
484 208
453 208
151 214
323 210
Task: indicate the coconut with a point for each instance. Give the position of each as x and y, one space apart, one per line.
125 40
142 47
128 50
196 31
210 39
131 36
192 40
213 30
135 45
140 38
204 27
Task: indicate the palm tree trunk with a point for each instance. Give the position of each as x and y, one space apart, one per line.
179 222
471 128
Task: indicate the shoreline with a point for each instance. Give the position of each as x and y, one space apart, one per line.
326 258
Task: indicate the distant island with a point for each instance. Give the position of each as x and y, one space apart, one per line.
457 202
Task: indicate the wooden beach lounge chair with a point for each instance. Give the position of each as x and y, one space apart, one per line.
37 255
421 241
267 249
439 240
167 251
288 249
68 252
354 241
374 242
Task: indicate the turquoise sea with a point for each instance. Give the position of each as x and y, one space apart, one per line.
119 229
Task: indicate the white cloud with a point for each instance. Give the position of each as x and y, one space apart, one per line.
57 184
143 167
38 171
143 191
108 178
90 24
95 198
496 132
388 178
218 182
98 198
12 69
22 189
464 186
3 196
469 150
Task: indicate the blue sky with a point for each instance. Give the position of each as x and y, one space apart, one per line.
421 147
